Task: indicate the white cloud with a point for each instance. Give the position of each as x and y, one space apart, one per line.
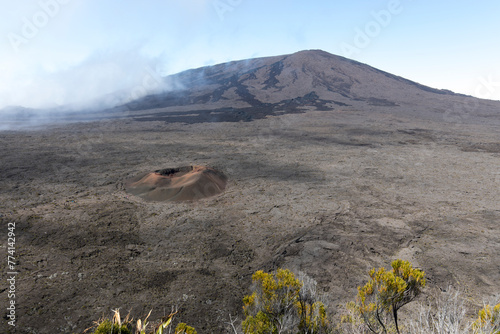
102 73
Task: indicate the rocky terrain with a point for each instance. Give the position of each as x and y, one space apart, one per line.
333 167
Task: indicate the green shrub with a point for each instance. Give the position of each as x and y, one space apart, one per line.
107 327
280 304
488 320
386 293
182 328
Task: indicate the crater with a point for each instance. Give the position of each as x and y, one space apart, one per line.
188 183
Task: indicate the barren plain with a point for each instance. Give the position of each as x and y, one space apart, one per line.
330 191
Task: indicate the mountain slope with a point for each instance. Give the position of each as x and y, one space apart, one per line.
251 89
254 88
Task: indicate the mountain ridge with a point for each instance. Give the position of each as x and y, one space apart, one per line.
248 76
250 89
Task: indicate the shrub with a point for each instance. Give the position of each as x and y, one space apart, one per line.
107 327
488 320
281 304
444 314
119 326
182 328
386 293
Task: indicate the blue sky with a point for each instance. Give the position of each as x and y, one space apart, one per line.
54 52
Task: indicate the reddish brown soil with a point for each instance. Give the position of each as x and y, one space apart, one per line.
178 184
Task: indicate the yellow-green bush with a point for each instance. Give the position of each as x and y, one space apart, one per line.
277 306
119 326
107 327
286 303
488 320
386 293
182 328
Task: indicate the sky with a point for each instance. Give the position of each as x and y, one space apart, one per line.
59 52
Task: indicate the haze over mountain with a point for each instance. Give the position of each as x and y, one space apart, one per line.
251 89
273 85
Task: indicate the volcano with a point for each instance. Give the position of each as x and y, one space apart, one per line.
178 184
251 89
307 80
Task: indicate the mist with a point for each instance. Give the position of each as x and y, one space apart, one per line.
65 55
103 80
127 74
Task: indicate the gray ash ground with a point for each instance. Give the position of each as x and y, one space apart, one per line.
330 193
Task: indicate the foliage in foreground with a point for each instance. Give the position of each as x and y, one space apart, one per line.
445 314
387 291
286 303
488 320
281 303
108 327
119 326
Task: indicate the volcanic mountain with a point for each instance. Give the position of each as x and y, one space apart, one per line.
251 89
